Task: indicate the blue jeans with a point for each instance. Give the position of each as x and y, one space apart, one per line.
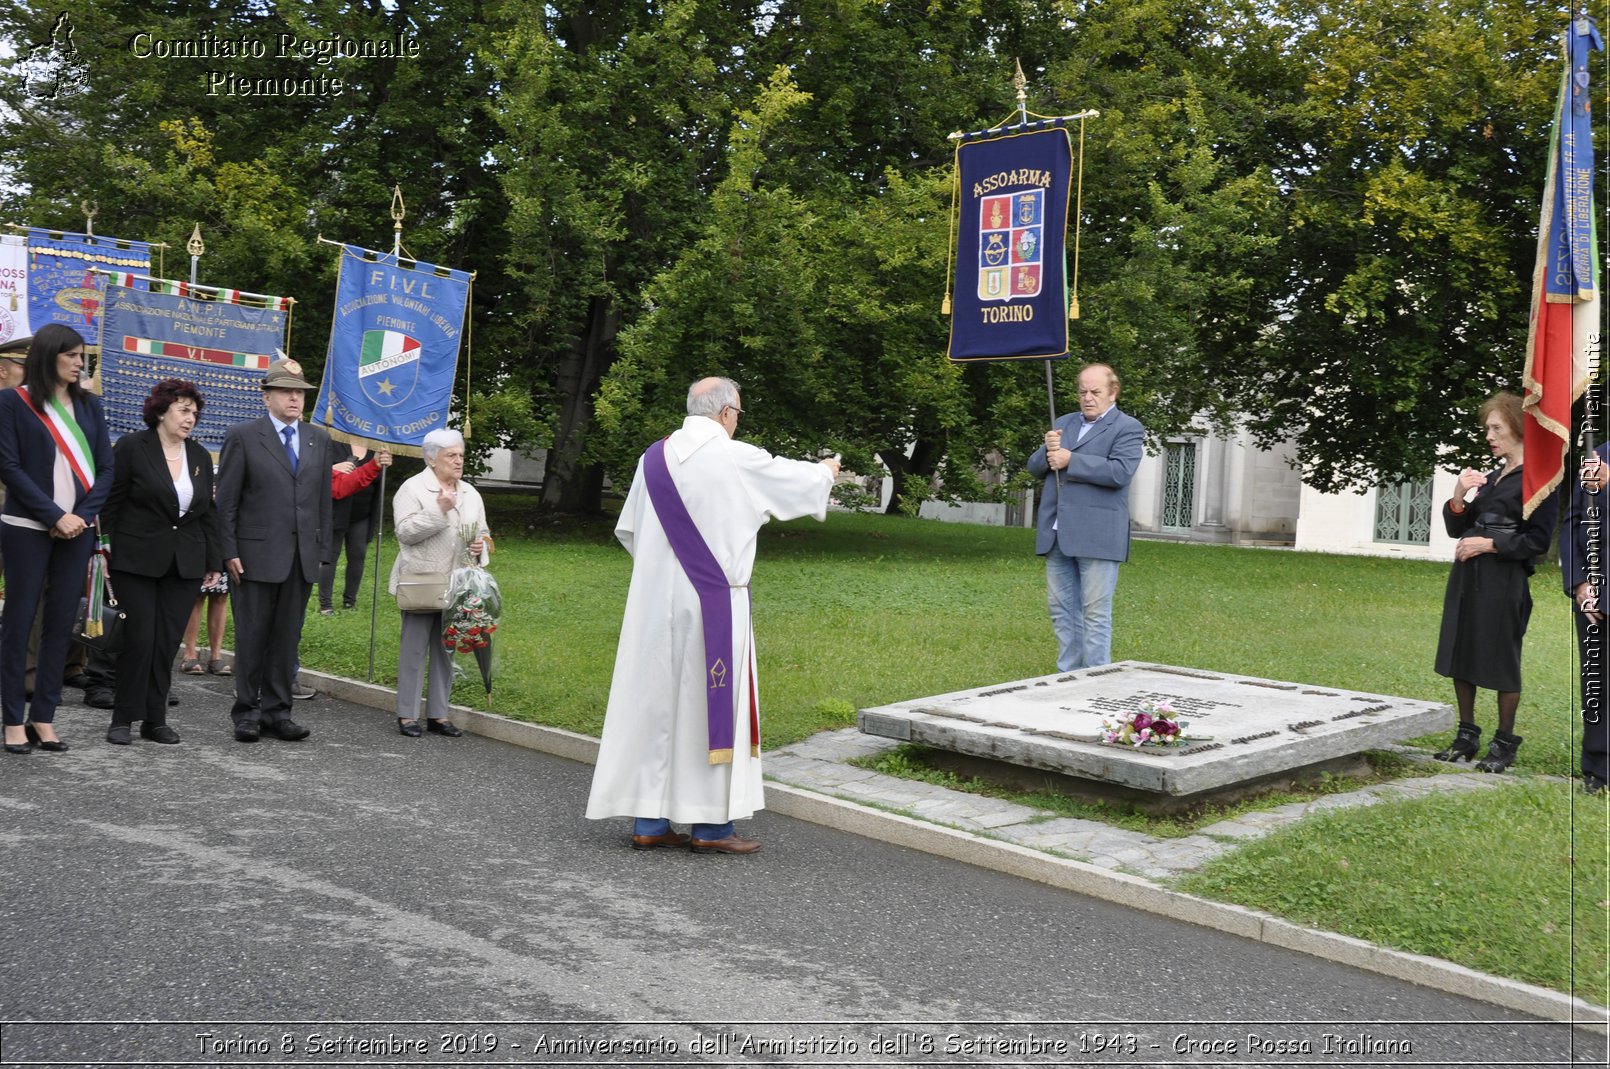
660 825
1079 592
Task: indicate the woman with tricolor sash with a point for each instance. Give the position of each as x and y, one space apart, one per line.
56 463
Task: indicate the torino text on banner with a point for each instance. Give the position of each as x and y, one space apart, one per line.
388 376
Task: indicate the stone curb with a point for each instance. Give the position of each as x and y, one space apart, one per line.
1065 873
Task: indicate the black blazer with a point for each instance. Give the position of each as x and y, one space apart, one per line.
141 517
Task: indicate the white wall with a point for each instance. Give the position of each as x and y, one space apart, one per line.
1345 523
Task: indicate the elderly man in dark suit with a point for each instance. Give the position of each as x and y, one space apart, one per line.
274 526
1087 461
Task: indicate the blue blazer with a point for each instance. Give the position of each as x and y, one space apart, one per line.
28 460
1091 509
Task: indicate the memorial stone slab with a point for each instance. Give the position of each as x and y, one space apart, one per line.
1236 728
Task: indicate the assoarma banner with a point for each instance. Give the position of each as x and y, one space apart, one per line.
66 272
1011 297
221 340
13 287
388 376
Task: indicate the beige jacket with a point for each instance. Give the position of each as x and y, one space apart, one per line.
428 538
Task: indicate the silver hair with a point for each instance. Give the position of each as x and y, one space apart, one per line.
716 393
437 440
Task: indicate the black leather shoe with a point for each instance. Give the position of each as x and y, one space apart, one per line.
18 748
172 701
99 698
287 730
410 728
53 746
159 733
119 735
1592 784
444 727
247 731
79 680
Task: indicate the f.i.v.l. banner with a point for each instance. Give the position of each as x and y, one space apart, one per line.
388 375
66 273
221 340
1011 296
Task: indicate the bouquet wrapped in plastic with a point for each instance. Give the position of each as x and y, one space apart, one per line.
474 605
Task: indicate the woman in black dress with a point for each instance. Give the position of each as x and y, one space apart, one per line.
165 547
1488 602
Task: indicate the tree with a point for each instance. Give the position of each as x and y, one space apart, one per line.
1412 195
613 120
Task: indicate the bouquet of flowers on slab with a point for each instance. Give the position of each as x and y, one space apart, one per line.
474 606
1156 725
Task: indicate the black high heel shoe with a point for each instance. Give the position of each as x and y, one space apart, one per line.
1464 745
19 747
53 746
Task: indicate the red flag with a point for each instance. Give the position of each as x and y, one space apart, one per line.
1562 344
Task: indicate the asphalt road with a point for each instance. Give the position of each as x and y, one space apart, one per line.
365 898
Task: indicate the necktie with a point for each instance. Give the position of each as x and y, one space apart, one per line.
289 434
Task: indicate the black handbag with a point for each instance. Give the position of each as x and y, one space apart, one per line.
101 629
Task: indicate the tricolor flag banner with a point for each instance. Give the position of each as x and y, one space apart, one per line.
221 340
66 272
388 375
1563 341
13 287
1011 294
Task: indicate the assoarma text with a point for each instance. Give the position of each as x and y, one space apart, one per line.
321 50
1028 176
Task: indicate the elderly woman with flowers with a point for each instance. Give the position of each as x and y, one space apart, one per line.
432 513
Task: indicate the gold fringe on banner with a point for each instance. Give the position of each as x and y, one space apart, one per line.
1078 221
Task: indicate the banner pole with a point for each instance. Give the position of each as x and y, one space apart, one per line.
197 249
374 598
1051 403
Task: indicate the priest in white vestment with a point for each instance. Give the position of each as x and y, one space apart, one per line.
680 739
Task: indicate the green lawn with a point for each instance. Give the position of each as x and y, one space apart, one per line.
865 610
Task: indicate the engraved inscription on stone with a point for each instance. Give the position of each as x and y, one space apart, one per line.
1185 706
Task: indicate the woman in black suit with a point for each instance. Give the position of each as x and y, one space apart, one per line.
56 462
164 536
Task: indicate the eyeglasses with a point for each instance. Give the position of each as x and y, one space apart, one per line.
734 408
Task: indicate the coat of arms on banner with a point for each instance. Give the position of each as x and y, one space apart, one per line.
1009 241
388 366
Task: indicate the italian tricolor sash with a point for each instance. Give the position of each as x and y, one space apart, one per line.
68 435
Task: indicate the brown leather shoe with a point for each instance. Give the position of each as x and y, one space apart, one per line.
649 842
732 844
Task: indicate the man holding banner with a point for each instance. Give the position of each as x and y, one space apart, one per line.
1087 461
274 522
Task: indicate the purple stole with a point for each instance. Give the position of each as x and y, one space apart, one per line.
715 603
